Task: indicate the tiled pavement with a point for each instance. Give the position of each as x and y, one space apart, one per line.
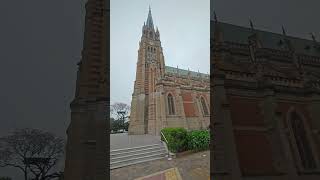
194 166
169 174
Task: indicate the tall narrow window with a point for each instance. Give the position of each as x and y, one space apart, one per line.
170 104
204 106
303 145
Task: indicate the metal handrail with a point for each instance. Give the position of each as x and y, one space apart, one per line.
164 137
166 145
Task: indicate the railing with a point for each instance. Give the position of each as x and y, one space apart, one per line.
166 144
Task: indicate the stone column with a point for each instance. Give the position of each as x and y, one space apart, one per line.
163 113
202 123
289 167
314 110
86 156
282 160
225 163
180 107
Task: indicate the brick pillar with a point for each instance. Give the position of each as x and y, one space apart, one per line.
225 163
179 106
86 156
282 159
163 111
202 124
313 109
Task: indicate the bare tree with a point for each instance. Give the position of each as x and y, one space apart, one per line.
116 108
33 151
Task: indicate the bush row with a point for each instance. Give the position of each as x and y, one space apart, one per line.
179 139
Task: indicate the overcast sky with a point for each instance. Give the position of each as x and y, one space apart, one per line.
184 34
298 17
41 42
40 45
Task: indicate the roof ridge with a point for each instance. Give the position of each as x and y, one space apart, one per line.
186 70
265 31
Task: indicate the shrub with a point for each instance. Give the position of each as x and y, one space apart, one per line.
198 140
5 178
177 139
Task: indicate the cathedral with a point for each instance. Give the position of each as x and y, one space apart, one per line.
266 99
166 96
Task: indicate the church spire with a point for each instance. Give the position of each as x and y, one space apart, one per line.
251 25
284 31
149 20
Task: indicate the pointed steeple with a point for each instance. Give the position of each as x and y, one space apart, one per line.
215 16
251 25
149 20
284 31
217 31
313 37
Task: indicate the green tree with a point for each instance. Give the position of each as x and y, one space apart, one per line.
126 125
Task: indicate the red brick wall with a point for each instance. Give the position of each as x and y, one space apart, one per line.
188 105
253 147
186 96
245 111
254 153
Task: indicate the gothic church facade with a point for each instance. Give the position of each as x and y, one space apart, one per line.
266 99
166 96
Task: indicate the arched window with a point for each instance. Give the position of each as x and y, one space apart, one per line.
204 106
302 144
170 104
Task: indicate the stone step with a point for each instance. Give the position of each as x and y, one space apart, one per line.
134 162
143 153
135 151
133 158
135 148
129 156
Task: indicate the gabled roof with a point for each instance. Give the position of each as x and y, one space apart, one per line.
239 34
174 70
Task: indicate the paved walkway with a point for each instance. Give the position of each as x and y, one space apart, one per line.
194 166
169 174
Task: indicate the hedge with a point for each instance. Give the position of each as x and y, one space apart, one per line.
198 140
179 139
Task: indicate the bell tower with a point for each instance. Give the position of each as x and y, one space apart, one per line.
86 149
149 70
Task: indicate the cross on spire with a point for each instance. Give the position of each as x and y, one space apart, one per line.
313 37
251 24
215 16
284 31
149 19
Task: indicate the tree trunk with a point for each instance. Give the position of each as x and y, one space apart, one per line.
25 174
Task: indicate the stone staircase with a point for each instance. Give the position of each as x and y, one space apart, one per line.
139 154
